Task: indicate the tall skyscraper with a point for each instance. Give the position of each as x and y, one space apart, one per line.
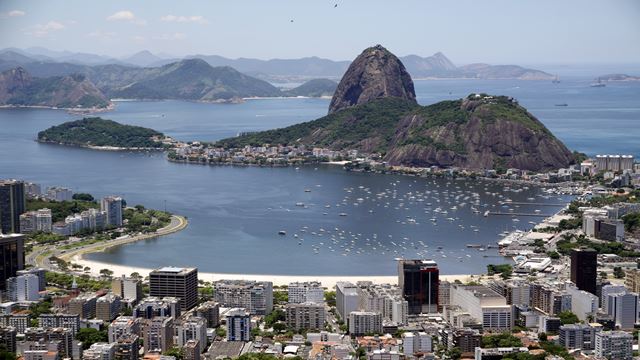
13 202
112 205
11 257
584 269
419 281
181 283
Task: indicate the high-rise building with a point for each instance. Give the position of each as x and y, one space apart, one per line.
23 288
157 334
238 325
63 335
8 338
151 307
33 221
210 311
416 342
123 326
484 305
577 336
385 299
84 305
254 296
192 350
192 328
57 193
11 257
129 289
584 269
112 205
346 299
307 316
614 345
623 307
40 273
127 348
108 307
301 292
365 322
419 281
181 283
13 203
68 321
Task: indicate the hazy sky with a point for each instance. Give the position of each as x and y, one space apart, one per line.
515 31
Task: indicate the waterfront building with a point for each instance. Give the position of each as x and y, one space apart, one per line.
238 325
100 351
416 342
192 328
181 283
151 307
614 162
614 345
157 334
123 326
484 305
584 268
419 282
365 322
129 289
346 299
23 288
383 298
83 305
13 202
112 206
58 193
33 221
254 296
108 307
305 316
210 311
577 336
8 338
304 292
68 321
11 257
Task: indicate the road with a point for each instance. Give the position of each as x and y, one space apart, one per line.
39 256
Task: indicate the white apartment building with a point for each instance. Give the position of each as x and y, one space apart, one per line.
346 299
255 296
112 206
484 305
193 328
23 288
385 299
304 292
583 303
416 342
100 351
365 322
614 345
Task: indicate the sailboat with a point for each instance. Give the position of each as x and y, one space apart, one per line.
556 80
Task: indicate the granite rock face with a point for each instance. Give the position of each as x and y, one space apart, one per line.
376 73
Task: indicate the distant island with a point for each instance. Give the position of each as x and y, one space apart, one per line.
374 110
75 92
618 77
98 133
314 88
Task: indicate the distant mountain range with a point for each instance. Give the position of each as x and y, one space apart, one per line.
619 77
435 66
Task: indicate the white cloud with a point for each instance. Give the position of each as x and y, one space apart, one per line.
102 35
174 36
126 15
12 13
42 30
184 19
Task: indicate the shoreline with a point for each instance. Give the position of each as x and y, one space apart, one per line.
73 111
278 280
72 254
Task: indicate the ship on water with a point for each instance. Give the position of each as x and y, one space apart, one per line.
598 83
556 80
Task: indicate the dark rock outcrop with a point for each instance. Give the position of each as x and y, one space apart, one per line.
376 73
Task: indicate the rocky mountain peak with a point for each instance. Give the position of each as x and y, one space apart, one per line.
376 73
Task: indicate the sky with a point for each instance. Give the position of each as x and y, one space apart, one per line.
492 31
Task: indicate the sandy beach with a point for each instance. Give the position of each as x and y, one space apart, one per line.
278 280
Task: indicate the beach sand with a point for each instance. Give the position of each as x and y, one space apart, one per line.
278 280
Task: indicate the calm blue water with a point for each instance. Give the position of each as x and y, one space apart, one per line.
236 213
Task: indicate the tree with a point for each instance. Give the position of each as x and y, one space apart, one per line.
330 298
618 273
567 317
5 354
106 273
454 353
83 197
500 340
542 336
176 352
90 336
221 332
279 327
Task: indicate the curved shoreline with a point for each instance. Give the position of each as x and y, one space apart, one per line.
74 254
